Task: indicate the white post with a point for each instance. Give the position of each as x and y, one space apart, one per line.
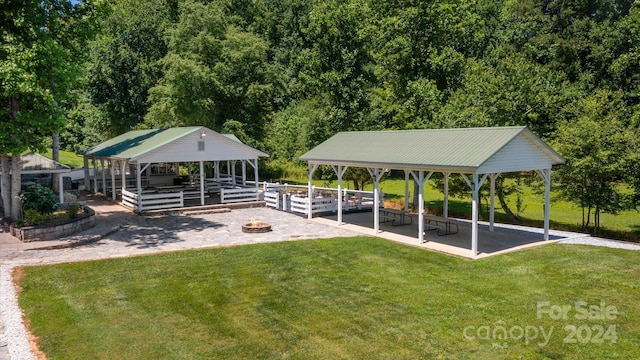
139 186
255 173
445 203
406 190
104 179
310 171
492 178
375 175
87 179
216 170
421 179
95 175
547 201
202 177
340 172
233 173
421 207
123 173
244 173
113 179
61 189
474 216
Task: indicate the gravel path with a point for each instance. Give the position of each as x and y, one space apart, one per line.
594 241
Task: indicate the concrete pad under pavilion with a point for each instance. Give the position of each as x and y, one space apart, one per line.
503 239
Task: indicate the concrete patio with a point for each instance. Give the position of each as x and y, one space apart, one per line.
504 238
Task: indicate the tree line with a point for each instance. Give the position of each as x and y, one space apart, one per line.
285 75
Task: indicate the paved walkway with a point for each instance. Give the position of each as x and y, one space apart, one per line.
120 233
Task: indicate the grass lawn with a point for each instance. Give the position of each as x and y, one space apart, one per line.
68 158
343 298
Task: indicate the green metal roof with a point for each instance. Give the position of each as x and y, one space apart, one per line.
458 149
232 137
138 142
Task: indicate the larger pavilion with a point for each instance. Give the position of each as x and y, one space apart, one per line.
474 153
142 166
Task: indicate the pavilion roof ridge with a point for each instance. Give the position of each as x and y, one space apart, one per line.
493 128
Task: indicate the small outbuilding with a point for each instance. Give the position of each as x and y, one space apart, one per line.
36 164
474 153
163 168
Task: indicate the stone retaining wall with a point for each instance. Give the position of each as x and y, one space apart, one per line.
43 232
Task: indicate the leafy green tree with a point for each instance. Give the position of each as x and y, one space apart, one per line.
621 55
38 67
214 73
597 143
123 62
339 62
514 92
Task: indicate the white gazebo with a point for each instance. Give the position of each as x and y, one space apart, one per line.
143 167
474 153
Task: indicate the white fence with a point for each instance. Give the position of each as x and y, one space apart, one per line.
272 199
294 198
152 201
239 195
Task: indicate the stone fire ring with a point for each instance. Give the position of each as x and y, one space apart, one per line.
256 228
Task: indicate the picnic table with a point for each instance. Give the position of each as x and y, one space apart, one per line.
397 217
443 226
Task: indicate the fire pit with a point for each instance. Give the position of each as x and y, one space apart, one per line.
256 226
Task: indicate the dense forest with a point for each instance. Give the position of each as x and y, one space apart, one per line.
285 75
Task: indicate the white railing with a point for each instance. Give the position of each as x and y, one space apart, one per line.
152 201
291 196
129 199
239 195
219 183
299 204
318 205
272 199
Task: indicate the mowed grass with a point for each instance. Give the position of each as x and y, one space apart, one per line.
343 298
68 158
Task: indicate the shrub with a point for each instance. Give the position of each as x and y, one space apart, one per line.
33 218
40 199
73 210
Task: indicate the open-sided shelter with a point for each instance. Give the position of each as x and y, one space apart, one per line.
36 164
474 153
142 166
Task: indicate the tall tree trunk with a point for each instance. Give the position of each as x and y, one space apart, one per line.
55 155
16 182
503 203
6 184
